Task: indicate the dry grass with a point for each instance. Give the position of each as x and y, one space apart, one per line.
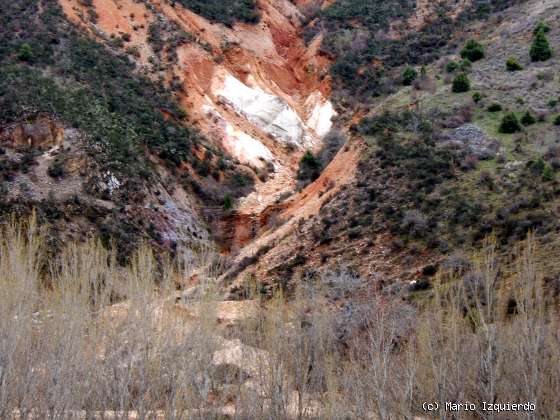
81 337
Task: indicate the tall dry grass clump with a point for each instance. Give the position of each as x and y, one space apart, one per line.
82 337
79 334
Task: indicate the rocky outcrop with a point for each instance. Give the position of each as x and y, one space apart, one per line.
473 140
42 133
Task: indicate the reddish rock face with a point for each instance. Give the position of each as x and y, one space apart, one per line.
43 133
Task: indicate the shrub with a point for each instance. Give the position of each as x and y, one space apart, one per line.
228 202
473 51
547 174
495 107
541 27
414 223
557 120
513 65
465 65
528 119
461 83
510 124
451 67
309 160
56 169
540 49
25 52
477 97
309 168
409 75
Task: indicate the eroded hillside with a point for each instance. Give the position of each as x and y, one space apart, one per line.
261 127
255 90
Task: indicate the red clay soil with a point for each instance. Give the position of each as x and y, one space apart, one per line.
270 55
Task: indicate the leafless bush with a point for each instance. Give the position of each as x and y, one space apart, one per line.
414 222
81 337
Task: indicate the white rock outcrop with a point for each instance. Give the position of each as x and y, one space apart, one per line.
237 143
270 113
320 119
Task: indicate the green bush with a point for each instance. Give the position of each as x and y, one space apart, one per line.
473 51
465 65
25 52
541 27
451 67
513 65
309 168
477 97
510 124
461 83
409 75
56 168
557 120
528 119
228 202
540 49
495 107
353 72
547 174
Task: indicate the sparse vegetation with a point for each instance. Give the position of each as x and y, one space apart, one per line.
352 29
453 220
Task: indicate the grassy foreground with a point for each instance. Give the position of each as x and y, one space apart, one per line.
81 337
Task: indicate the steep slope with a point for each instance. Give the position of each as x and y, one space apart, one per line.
87 141
436 173
256 91
264 89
